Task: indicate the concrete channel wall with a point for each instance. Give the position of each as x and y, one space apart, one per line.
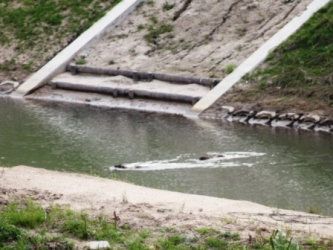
59 62
256 58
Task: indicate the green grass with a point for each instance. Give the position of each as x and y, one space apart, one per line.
9 232
29 19
155 32
42 27
168 6
279 242
229 69
305 60
80 61
141 27
16 220
30 216
27 225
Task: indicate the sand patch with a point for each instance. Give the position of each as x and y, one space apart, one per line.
146 208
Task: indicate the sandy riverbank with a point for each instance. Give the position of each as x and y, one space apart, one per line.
146 208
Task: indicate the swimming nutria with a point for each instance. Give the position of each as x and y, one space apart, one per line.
203 158
119 166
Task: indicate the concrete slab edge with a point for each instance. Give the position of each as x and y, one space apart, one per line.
58 63
100 101
256 58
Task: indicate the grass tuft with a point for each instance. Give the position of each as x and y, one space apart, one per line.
80 61
168 6
279 242
155 32
230 68
8 232
29 216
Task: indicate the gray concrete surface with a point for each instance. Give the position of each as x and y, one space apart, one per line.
107 101
255 59
189 90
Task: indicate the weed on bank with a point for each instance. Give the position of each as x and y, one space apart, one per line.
304 62
27 225
41 28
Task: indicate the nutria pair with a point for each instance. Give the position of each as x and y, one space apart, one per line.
124 167
204 158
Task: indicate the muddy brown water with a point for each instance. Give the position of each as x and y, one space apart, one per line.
277 167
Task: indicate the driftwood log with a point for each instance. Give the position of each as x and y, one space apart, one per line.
142 75
131 93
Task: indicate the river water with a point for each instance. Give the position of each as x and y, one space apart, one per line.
276 167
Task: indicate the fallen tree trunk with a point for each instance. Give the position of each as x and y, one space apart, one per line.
131 93
142 75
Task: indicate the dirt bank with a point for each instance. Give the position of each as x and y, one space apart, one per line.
146 208
195 38
247 96
206 39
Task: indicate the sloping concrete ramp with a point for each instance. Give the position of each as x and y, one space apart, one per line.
115 86
115 90
96 99
120 86
256 58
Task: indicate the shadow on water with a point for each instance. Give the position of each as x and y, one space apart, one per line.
278 167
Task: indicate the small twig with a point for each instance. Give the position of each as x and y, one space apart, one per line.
2 172
116 219
250 239
45 213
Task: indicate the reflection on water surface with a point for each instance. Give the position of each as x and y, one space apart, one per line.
283 168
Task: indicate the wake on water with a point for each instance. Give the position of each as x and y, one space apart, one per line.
214 160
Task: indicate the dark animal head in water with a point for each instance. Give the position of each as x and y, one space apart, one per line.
203 158
119 166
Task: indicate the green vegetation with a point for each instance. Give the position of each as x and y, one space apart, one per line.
8 65
150 2
304 62
287 1
27 225
153 19
40 28
155 32
241 32
168 6
279 242
29 20
230 68
80 61
16 224
141 27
